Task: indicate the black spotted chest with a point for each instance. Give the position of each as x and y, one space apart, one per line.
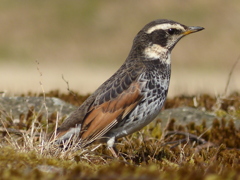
155 82
154 88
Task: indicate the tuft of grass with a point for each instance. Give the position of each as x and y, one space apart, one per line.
171 152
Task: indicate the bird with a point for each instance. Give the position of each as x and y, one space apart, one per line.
134 95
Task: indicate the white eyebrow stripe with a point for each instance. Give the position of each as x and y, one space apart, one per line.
164 27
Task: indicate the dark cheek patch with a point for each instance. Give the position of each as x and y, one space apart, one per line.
159 37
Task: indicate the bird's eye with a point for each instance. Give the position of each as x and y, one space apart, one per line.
171 31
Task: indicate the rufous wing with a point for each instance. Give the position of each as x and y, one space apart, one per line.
103 117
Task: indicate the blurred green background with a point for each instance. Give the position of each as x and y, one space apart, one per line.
87 40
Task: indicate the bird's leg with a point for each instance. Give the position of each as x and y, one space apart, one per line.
114 151
111 147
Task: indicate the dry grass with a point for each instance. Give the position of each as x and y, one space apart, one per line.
151 153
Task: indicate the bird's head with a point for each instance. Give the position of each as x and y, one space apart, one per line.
159 37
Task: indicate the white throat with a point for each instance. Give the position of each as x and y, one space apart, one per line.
156 51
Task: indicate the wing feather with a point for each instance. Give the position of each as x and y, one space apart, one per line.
103 117
106 107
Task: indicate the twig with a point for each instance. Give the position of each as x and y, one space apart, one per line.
12 131
44 94
230 75
69 90
189 137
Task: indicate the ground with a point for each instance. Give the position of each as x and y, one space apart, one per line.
175 151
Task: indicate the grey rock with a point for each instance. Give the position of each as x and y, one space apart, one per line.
14 106
185 115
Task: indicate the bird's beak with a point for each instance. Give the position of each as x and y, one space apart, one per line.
192 29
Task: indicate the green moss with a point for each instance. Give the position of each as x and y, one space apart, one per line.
145 154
